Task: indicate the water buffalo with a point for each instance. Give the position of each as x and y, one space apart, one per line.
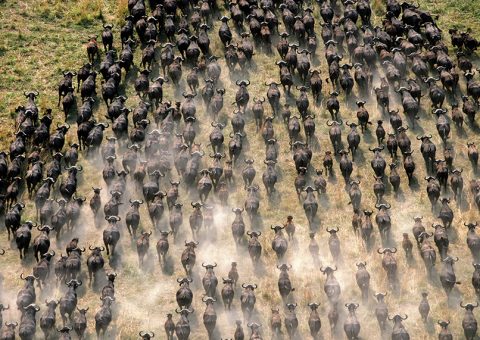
331 286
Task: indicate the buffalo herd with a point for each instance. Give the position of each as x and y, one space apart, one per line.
86 184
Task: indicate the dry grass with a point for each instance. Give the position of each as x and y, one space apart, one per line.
42 38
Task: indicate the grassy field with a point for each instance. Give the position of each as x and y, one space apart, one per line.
43 38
